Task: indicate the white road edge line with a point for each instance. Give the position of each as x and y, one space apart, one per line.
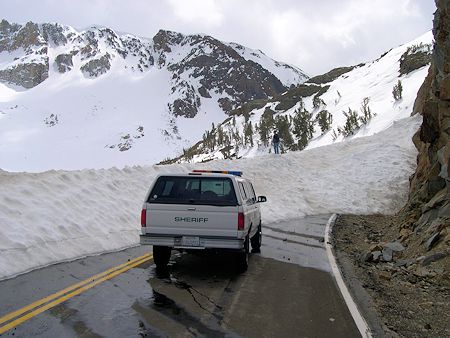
360 322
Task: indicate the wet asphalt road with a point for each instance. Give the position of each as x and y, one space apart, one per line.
197 296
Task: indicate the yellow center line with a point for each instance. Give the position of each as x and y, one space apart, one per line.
81 286
60 293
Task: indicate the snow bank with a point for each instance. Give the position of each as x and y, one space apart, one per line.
61 215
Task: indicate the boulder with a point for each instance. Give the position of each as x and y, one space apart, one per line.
432 241
433 258
376 255
366 257
387 254
395 246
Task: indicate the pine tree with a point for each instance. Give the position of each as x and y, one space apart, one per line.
301 104
236 137
282 126
266 124
351 124
324 119
248 133
246 116
367 113
397 91
334 135
303 128
317 102
220 136
226 140
336 101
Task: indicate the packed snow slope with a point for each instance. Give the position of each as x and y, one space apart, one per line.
96 99
335 95
61 215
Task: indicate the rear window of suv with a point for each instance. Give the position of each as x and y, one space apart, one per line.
193 190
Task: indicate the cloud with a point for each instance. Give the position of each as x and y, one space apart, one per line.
203 12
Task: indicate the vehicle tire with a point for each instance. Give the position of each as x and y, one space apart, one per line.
256 240
161 255
242 257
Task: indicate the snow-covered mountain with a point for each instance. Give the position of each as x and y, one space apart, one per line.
95 98
345 103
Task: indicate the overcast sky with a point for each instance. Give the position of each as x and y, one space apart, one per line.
315 35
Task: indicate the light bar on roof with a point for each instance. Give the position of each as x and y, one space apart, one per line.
229 172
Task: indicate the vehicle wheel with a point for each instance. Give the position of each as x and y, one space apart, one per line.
242 257
161 255
256 240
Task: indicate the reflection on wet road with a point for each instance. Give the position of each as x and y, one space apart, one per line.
299 241
198 295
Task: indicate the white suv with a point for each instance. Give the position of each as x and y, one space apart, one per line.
202 210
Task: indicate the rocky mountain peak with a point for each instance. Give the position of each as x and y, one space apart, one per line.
8 28
202 66
14 36
164 39
54 33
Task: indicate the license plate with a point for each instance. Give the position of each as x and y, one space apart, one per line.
190 241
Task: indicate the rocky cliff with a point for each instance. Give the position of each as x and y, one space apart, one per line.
200 66
426 219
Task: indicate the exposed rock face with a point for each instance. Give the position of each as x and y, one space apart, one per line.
7 30
54 33
97 67
162 42
28 36
188 104
331 75
200 67
33 68
27 75
219 68
429 200
64 62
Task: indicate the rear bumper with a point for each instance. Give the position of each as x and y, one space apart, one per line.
205 242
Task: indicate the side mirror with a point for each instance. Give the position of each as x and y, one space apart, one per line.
262 199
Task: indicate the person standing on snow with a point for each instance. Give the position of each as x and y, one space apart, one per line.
276 143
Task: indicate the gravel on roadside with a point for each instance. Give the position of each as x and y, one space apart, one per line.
402 292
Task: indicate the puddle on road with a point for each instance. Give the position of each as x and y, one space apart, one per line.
162 301
145 265
67 316
174 312
298 241
83 331
289 249
176 307
63 312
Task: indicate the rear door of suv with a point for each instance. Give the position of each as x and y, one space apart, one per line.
197 205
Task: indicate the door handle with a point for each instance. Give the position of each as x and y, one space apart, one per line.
191 209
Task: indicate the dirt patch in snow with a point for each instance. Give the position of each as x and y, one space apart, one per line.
400 293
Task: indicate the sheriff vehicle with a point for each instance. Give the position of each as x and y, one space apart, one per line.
202 210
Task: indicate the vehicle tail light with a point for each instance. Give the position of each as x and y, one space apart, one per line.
241 221
143 218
